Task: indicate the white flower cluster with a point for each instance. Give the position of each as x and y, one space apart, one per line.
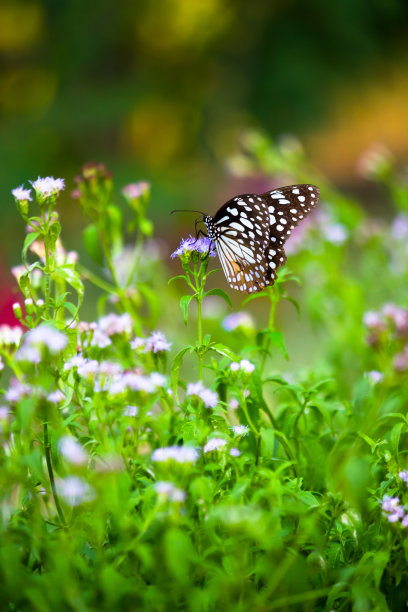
156 343
73 452
169 491
180 454
38 339
10 335
108 376
244 365
47 187
210 398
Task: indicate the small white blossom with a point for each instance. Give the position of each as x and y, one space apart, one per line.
56 397
236 320
180 454
158 380
210 398
169 491
138 343
115 324
21 194
88 368
29 354
214 444
47 336
375 377
4 412
100 339
71 449
16 391
234 452
234 404
131 411
240 430
10 335
157 343
74 362
234 366
47 187
75 491
246 366
1 364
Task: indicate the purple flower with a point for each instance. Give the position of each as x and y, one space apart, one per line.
46 336
237 320
214 444
404 476
180 454
72 450
374 376
210 398
75 490
399 316
47 187
157 343
399 228
373 321
113 324
21 194
169 491
401 360
191 244
234 452
404 521
133 191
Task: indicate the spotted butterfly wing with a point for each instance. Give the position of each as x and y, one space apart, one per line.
287 206
249 232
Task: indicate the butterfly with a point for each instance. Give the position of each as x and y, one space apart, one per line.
249 233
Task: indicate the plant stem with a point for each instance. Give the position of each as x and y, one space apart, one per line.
47 449
271 323
200 339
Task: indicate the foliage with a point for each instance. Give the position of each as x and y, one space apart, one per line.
203 475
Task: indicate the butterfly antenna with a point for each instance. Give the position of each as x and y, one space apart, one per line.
187 210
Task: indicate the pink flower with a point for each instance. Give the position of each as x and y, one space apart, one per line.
157 343
133 191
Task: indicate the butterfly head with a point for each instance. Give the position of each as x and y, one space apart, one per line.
211 227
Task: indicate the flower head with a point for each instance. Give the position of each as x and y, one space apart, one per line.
169 491
157 343
404 476
234 452
48 337
10 335
190 245
238 320
73 452
180 454
240 430
214 444
75 491
133 191
113 324
21 194
210 398
47 187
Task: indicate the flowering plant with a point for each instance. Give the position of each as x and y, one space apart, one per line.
155 460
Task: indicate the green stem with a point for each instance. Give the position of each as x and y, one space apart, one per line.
98 282
200 340
271 325
47 449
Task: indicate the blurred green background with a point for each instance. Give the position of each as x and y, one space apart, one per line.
163 90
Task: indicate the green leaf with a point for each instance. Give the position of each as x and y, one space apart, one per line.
54 232
277 340
113 227
221 294
295 303
184 304
92 245
223 350
173 278
256 296
153 301
178 360
28 241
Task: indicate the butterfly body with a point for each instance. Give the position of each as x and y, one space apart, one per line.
249 232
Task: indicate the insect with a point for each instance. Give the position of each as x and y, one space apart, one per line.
249 232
